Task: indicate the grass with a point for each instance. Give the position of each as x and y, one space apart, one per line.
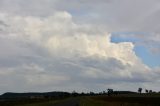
41 104
142 100
46 103
87 101
120 100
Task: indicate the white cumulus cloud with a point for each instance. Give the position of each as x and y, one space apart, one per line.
54 52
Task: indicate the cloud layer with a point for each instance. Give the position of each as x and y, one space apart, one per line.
55 53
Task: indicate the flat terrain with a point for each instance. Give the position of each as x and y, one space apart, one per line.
115 100
64 102
68 102
105 101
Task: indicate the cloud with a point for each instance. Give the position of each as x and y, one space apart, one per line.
107 15
114 15
55 53
149 40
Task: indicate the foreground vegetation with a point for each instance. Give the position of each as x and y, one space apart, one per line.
75 99
93 101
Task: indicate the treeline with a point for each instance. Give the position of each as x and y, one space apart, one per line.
49 95
14 99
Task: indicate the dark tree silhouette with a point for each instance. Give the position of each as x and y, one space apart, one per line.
146 90
110 92
139 90
150 91
74 93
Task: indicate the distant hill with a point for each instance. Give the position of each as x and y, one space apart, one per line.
11 95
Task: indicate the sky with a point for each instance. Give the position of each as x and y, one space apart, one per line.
81 45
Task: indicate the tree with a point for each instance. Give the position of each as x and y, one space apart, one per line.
74 93
104 92
110 91
91 93
150 91
146 90
139 90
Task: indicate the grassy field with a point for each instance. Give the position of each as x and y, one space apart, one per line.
120 100
88 101
40 104
37 102
46 103
61 102
101 101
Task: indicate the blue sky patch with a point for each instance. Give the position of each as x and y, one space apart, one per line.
141 51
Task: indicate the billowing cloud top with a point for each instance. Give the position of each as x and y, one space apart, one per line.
55 53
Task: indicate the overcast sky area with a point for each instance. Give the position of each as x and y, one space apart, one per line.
81 45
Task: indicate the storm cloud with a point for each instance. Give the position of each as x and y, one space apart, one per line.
45 45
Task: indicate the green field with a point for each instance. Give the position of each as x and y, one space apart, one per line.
122 100
115 100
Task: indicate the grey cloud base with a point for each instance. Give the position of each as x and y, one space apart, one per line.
44 49
54 53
